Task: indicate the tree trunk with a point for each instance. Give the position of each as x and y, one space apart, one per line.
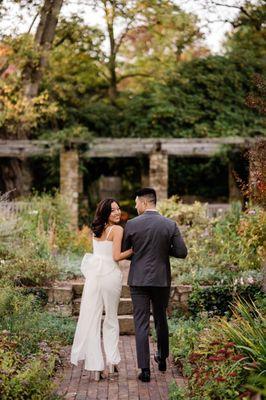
113 80
15 173
15 176
43 39
110 15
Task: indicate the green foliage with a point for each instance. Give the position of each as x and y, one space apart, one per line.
23 269
66 135
257 384
189 93
24 377
245 233
217 299
22 316
221 355
74 78
177 392
42 234
247 331
29 345
20 115
186 173
162 35
184 336
247 39
223 249
205 99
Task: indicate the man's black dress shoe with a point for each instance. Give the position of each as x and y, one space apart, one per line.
161 363
145 375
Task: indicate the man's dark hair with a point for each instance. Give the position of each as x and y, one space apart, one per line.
149 193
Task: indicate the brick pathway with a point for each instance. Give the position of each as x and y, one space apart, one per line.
75 383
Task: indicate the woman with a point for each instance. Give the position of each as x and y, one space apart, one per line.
102 288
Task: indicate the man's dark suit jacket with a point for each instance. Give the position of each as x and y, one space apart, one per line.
153 238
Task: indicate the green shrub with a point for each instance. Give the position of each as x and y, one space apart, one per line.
48 225
24 377
183 337
247 329
29 343
217 299
39 236
239 239
225 359
22 316
29 271
219 249
177 392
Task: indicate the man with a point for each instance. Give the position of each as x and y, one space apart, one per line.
153 238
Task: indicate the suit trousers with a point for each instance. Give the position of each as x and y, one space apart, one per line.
142 298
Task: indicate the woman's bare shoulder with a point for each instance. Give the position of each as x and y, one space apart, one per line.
118 228
117 232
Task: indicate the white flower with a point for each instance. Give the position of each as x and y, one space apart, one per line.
33 212
250 280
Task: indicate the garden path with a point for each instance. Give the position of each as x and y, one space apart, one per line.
75 383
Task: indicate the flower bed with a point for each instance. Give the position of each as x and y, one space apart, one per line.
30 342
222 359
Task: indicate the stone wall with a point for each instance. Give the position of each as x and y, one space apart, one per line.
65 300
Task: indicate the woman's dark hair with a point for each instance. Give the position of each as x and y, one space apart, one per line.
102 214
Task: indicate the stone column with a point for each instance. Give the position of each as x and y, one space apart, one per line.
234 190
69 181
159 173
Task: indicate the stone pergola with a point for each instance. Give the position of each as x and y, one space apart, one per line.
157 150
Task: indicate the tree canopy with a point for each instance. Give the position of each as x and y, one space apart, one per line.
145 73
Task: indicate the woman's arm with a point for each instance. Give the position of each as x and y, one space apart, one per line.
117 241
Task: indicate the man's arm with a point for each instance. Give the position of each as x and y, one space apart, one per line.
178 248
126 242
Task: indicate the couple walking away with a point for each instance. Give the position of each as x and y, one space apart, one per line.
148 240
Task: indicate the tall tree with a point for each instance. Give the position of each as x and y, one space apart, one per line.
165 37
246 41
121 14
132 26
43 40
75 77
21 105
206 98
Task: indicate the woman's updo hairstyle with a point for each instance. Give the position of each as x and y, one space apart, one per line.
102 214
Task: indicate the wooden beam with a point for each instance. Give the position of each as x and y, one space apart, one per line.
28 148
133 147
124 147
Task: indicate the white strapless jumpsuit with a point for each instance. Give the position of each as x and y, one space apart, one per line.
102 289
